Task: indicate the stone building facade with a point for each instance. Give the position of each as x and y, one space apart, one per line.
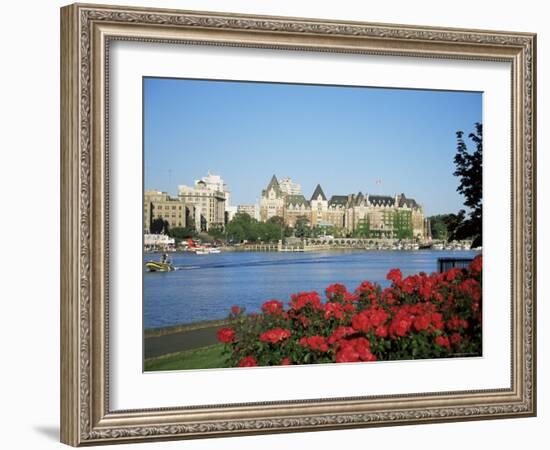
376 215
208 204
251 210
159 205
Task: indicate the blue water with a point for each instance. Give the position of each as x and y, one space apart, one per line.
206 286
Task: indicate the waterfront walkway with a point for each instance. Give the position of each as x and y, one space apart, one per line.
179 341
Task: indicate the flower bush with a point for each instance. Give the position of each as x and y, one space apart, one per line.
419 316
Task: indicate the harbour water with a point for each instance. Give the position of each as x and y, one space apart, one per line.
204 287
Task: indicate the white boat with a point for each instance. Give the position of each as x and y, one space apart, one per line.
215 250
202 251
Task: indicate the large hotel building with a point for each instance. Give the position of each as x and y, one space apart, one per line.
383 214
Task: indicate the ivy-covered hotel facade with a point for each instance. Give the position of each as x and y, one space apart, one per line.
365 215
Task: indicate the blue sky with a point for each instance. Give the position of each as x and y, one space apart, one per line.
345 138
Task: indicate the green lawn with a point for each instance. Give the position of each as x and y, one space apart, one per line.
202 358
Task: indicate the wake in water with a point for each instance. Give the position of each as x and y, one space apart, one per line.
283 262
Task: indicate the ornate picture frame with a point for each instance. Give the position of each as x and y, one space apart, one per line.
87 32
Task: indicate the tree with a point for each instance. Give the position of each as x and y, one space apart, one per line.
243 227
454 224
181 233
269 232
469 168
301 228
216 231
438 227
159 226
278 230
277 220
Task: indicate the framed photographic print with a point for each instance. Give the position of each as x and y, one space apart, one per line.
275 224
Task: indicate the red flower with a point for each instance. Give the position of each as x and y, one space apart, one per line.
443 341
455 339
285 362
381 331
401 323
340 333
361 322
335 289
348 297
236 310
318 343
394 275
388 296
422 322
333 309
453 274
226 335
409 284
366 287
354 350
437 321
372 317
274 307
472 288
248 361
477 264
303 299
275 335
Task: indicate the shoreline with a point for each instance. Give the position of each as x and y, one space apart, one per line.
258 249
183 328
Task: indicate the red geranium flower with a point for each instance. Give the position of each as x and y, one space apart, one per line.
422 322
394 275
274 307
472 288
236 310
340 333
453 274
303 299
366 287
285 362
477 264
335 289
455 339
354 350
275 335
318 343
248 361
443 341
226 335
333 309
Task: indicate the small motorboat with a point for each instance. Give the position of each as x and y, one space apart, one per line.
157 266
202 251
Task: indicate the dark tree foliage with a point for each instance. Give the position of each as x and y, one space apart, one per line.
181 233
302 229
159 226
469 168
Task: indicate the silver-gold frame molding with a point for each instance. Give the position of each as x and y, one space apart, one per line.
86 33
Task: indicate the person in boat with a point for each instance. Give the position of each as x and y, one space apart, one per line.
164 258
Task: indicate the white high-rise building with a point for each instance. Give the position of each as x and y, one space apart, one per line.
216 183
289 187
213 182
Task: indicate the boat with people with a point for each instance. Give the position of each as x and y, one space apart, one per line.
164 265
